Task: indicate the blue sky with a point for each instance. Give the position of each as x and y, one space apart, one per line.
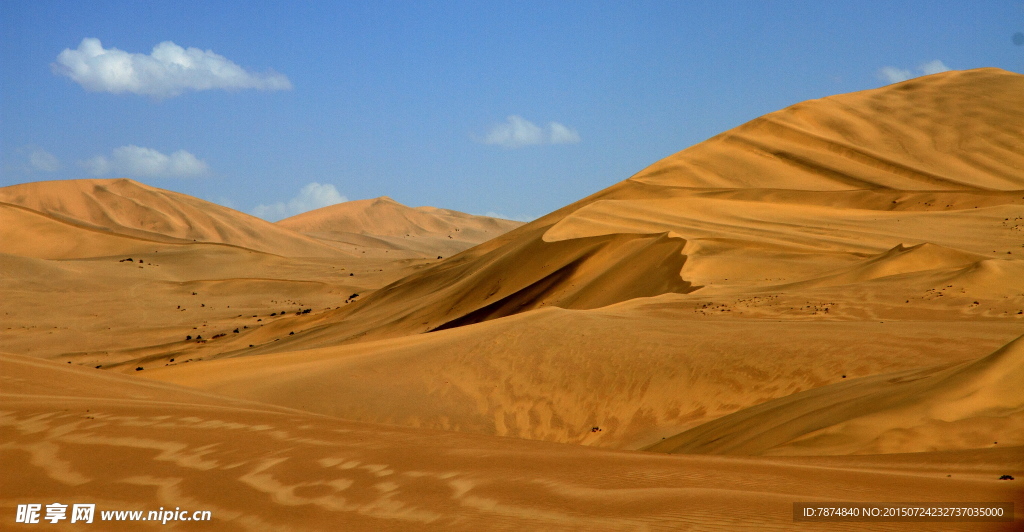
516 108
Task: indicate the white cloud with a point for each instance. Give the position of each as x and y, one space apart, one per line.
563 135
934 67
517 132
145 162
895 75
311 196
520 218
41 160
168 71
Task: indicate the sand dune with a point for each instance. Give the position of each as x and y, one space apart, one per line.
637 373
383 223
77 435
965 406
29 233
808 225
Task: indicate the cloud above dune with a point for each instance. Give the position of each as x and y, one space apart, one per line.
40 160
137 161
891 74
168 71
31 159
312 196
519 218
517 132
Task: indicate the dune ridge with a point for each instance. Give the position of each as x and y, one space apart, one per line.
956 130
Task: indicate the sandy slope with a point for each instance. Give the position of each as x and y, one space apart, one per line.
384 224
78 435
950 131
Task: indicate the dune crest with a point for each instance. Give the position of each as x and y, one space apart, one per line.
947 131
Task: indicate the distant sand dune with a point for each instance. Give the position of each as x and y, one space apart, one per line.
383 223
125 207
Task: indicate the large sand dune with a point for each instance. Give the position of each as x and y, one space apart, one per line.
822 304
934 160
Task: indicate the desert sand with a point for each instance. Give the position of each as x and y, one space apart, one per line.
823 304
